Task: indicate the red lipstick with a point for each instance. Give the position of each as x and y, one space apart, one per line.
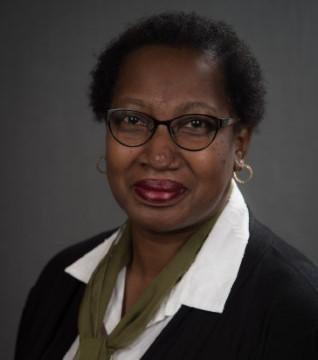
159 191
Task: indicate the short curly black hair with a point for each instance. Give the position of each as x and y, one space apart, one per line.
242 73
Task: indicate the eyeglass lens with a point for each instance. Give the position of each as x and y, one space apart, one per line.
192 132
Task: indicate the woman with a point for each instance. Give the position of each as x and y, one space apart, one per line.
191 274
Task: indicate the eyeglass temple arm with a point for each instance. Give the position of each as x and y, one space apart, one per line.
228 121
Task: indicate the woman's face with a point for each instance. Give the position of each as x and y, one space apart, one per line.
160 186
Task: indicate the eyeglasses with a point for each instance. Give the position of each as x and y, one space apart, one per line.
191 132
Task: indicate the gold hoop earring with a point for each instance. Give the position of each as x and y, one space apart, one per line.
101 165
246 167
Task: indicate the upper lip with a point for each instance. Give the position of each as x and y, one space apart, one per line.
160 184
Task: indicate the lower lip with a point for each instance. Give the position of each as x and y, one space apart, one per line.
155 196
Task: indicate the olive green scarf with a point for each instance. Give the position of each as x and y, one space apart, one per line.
94 343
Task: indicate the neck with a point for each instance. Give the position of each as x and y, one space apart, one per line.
151 252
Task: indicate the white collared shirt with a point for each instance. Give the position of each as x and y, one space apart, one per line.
206 285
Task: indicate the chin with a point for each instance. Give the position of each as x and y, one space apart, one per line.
158 224
164 222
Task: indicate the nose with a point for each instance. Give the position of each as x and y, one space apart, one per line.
160 152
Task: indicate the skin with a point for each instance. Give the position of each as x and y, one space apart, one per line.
166 82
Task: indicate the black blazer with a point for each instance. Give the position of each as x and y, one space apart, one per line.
271 313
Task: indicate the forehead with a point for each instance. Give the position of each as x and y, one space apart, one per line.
164 75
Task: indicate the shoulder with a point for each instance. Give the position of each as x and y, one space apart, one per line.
280 261
277 271
72 253
285 285
288 286
282 276
54 273
278 287
50 311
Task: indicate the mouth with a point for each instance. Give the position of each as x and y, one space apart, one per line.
159 191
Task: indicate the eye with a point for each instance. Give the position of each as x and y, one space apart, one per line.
195 125
133 120
128 120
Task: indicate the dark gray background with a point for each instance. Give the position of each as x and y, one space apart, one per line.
51 194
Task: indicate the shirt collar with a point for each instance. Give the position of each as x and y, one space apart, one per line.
83 268
208 282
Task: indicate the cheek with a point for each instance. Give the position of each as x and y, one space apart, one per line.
115 160
218 159
119 160
117 156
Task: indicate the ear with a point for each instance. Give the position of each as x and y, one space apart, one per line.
242 139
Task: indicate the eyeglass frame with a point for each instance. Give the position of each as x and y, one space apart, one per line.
221 123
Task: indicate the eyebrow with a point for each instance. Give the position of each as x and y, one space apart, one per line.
133 101
182 108
189 106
